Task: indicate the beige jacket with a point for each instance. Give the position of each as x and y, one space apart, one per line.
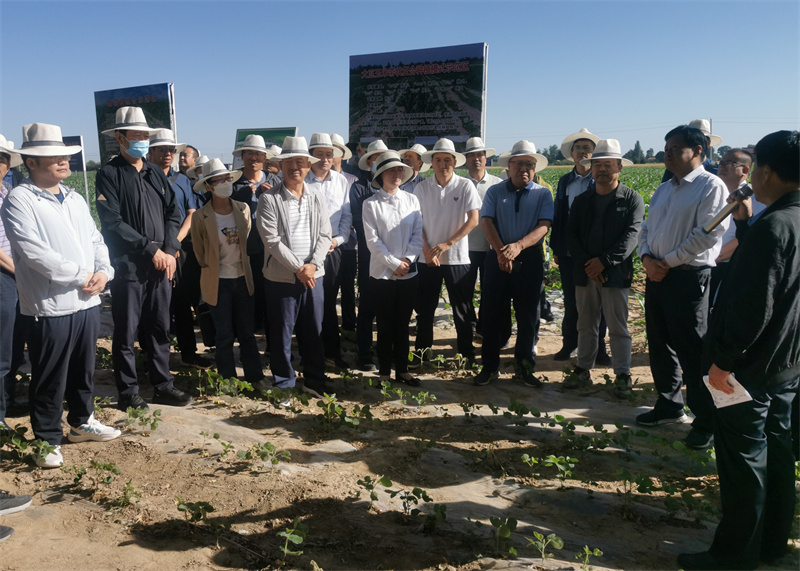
205 242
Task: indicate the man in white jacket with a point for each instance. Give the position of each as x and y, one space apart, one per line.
62 266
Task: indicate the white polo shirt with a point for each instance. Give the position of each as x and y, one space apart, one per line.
476 237
444 211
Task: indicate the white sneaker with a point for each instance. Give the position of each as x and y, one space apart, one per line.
92 430
286 403
52 460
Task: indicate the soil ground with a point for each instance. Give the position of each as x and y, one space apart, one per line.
465 456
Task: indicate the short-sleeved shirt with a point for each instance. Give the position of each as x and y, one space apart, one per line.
184 195
476 238
516 213
444 211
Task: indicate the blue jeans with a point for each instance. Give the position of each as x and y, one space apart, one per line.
234 316
8 311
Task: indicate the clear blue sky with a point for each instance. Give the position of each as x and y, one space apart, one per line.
627 70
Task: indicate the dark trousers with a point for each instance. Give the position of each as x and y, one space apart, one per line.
393 314
62 351
291 306
456 279
718 273
330 319
347 276
185 297
260 313
8 313
676 311
753 443
499 290
476 262
132 303
366 311
21 333
233 318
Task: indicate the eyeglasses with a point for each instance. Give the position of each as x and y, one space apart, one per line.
216 181
249 153
731 164
523 166
166 150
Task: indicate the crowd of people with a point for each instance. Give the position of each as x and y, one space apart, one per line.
270 246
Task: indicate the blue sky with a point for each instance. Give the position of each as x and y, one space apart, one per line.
627 70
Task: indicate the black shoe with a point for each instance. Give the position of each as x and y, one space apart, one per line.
10 503
196 361
548 316
408 379
603 360
485 377
563 354
531 380
133 401
337 363
5 533
703 562
366 365
655 417
317 391
698 440
172 397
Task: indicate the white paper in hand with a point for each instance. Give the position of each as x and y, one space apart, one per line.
721 400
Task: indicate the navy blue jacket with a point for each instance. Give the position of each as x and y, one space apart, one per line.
558 231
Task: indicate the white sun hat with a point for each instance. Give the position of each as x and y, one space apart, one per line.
523 149
420 150
376 147
252 143
7 147
607 149
191 172
323 141
475 144
444 146
129 119
165 138
43 140
705 126
212 168
338 142
389 160
566 144
294 147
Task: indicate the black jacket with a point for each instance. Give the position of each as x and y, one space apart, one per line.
121 212
622 220
558 231
754 328
242 192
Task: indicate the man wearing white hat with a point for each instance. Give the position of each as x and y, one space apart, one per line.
713 141
140 223
359 192
576 148
62 266
516 216
254 181
476 154
450 208
678 255
8 285
186 294
413 158
335 189
294 225
603 228
349 265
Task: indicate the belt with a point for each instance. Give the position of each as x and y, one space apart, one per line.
687 267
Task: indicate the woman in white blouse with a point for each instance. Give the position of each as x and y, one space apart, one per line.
393 230
219 238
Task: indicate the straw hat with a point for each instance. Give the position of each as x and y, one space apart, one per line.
7 147
43 140
444 146
338 142
165 138
389 160
323 141
705 126
212 168
252 143
129 119
376 147
420 150
475 144
191 172
566 144
294 147
607 149
523 149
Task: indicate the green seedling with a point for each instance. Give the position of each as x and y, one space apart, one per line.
99 403
583 556
103 358
194 511
531 462
219 385
410 498
265 453
143 418
542 543
460 363
563 464
368 483
470 410
502 534
295 535
128 492
423 398
422 445
517 411
105 467
440 361
227 447
421 354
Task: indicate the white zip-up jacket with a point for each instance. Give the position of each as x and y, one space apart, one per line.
55 246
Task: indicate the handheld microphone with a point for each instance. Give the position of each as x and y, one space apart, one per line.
745 192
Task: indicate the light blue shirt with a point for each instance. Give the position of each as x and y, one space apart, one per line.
578 186
516 213
336 190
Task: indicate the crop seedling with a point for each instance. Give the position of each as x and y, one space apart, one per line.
105 467
295 535
421 445
99 403
460 363
103 358
194 511
502 534
423 398
215 382
128 492
440 361
421 354
583 556
542 543
517 410
563 464
143 418
531 462
368 483
410 498
264 452
470 410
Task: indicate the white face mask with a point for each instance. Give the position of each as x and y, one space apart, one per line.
223 189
